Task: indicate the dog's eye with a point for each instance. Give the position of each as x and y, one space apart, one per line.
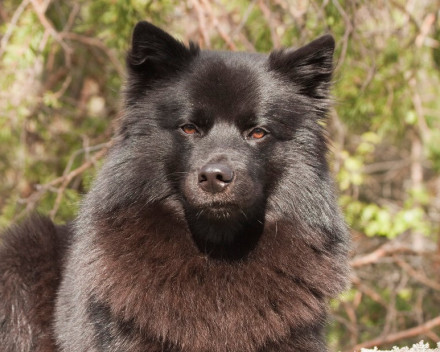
257 133
189 128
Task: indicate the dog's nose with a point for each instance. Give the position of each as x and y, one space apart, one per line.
215 178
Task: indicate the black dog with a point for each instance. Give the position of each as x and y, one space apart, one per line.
213 225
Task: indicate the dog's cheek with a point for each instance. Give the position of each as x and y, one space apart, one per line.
189 188
177 160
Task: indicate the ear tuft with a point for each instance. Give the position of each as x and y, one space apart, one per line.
155 54
309 67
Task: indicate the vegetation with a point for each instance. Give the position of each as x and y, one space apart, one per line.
62 71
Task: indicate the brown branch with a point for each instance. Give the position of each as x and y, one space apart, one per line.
402 8
202 23
383 251
368 291
245 17
63 180
416 275
348 30
351 313
66 179
432 335
276 42
98 44
425 28
12 25
72 16
83 167
386 166
216 24
237 34
412 332
51 29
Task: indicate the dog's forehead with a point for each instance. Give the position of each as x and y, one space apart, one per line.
226 84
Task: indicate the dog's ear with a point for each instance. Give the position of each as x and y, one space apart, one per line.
154 54
309 67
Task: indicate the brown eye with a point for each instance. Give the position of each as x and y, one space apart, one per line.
257 133
189 129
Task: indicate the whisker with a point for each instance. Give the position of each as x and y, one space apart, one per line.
199 214
244 214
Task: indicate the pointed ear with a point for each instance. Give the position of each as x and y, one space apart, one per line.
309 67
155 54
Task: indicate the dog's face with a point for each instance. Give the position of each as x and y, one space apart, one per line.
219 131
222 142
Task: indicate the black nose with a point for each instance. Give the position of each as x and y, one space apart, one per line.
215 178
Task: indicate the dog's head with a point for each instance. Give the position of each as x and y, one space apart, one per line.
233 137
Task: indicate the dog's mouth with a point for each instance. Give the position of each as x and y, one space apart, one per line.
224 230
221 210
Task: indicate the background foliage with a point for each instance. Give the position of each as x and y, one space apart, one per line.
62 70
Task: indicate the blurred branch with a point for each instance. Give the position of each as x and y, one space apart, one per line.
228 40
98 44
386 166
71 175
12 25
348 30
40 9
389 248
202 22
368 291
276 41
73 14
65 179
402 8
416 275
418 330
245 17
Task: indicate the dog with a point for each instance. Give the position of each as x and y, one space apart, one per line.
213 224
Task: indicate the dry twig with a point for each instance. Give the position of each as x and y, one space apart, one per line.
416 331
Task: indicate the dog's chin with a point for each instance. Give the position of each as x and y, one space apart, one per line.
225 230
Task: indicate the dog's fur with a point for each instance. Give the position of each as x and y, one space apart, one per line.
156 261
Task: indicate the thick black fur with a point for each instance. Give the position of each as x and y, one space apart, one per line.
160 259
